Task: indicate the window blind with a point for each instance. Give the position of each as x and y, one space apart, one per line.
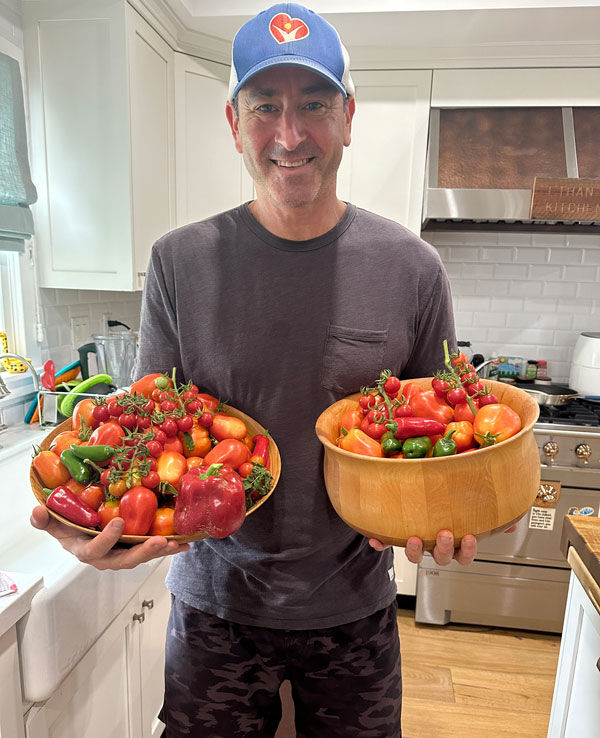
17 191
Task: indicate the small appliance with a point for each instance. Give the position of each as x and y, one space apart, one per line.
585 366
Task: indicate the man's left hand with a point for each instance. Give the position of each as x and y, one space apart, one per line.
443 552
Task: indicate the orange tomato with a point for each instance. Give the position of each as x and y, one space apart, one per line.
226 426
107 511
352 419
50 469
462 436
173 444
230 451
359 442
171 466
200 439
64 440
495 423
209 402
193 461
162 525
93 495
83 413
118 489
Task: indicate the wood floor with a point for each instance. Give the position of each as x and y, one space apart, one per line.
475 681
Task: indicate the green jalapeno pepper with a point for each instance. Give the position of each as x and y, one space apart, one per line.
390 445
417 447
77 469
93 453
446 446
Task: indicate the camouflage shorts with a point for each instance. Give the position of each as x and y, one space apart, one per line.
222 679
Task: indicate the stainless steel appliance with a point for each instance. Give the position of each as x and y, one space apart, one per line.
520 579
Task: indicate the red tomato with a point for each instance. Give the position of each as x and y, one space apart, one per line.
146 385
107 434
173 444
226 426
209 402
463 411
50 469
391 386
193 461
228 451
428 405
495 423
137 508
93 495
83 412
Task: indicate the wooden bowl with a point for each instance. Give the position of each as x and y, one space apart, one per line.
253 429
394 499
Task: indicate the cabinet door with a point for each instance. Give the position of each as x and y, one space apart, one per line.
383 169
155 603
152 100
211 176
77 85
576 704
100 697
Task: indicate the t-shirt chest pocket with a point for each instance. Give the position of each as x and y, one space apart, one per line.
352 358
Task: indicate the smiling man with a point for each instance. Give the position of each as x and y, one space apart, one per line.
282 306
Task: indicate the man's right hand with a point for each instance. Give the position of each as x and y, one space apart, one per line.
99 551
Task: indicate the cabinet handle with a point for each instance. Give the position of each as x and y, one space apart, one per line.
140 617
148 603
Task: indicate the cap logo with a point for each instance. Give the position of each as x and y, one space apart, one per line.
285 29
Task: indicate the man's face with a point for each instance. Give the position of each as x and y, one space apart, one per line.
291 128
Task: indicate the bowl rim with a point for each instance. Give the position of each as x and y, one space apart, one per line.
378 459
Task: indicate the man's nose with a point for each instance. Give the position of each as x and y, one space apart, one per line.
290 130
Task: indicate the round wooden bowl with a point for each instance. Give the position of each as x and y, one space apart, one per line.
394 499
253 429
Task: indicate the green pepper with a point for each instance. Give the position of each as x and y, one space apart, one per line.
77 469
93 453
390 445
417 447
446 446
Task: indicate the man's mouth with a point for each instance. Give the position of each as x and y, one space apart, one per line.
292 163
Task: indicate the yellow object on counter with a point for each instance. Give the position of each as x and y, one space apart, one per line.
13 366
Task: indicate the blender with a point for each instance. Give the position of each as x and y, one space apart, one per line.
115 354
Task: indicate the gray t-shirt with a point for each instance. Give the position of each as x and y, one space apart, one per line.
280 330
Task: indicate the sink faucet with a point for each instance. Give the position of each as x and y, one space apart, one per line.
4 391
485 363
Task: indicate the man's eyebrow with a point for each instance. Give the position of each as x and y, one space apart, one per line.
317 87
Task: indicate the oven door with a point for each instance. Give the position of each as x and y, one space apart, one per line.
536 540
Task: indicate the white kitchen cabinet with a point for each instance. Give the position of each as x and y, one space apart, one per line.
117 687
483 88
405 573
576 704
102 141
211 176
383 169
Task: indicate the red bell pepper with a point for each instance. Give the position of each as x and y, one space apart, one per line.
211 499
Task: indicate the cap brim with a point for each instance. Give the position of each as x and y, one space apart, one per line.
292 61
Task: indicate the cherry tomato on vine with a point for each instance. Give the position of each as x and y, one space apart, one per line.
392 386
169 427
114 408
154 447
456 396
185 423
127 420
489 398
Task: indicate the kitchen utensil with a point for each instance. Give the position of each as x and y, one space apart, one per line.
66 373
393 499
254 428
115 355
48 378
548 394
585 365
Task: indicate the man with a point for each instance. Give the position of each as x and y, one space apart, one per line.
281 307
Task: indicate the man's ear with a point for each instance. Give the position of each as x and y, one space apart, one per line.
234 122
349 108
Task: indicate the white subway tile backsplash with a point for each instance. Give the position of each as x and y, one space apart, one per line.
489 319
507 304
464 286
582 274
589 290
511 271
470 304
493 287
525 289
559 289
566 256
549 239
478 271
591 256
499 255
532 255
540 305
464 254
546 273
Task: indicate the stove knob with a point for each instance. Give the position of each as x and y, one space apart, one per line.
550 449
583 451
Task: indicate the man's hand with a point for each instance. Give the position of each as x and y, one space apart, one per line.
443 552
98 550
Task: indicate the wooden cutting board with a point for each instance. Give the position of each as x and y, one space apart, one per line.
582 532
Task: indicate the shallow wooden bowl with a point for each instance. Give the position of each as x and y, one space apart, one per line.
394 499
253 429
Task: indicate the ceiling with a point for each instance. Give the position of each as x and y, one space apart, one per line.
417 22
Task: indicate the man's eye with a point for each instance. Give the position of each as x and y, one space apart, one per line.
265 108
314 106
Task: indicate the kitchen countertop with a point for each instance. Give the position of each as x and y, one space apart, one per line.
580 544
14 606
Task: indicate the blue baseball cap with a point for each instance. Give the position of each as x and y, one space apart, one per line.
288 33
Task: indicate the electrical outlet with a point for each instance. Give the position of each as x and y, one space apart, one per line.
80 331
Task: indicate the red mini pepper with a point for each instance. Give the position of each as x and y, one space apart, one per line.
261 447
412 427
137 508
66 503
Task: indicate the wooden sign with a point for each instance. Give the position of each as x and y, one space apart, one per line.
565 199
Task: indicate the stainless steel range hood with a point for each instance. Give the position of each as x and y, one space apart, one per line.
455 206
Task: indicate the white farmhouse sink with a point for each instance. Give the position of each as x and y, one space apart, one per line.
76 603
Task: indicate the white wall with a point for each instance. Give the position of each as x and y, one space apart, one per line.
522 294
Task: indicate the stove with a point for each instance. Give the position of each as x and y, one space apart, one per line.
521 579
